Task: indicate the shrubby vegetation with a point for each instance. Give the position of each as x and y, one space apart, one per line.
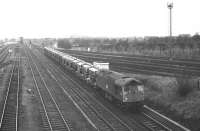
182 46
181 95
42 42
184 86
185 46
64 43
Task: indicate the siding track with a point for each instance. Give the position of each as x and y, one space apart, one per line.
142 64
9 116
53 119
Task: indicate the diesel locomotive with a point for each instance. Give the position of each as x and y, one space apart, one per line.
117 87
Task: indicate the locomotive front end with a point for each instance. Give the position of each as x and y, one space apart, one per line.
132 91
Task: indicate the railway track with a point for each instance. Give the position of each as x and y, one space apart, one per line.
153 124
139 58
4 55
9 115
99 115
150 65
2 59
162 120
51 114
111 121
161 69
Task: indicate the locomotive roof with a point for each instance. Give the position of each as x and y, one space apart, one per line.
112 74
120 79
124 81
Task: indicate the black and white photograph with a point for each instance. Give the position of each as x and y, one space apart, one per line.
99 65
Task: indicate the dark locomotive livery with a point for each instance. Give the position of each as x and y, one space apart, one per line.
116 87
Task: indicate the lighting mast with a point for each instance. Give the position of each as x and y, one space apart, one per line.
170 6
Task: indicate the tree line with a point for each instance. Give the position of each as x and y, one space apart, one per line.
185 46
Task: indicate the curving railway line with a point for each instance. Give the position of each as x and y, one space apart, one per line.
9 113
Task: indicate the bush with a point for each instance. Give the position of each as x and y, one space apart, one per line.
64 43
184 86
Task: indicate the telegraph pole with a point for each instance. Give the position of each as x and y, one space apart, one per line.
170 6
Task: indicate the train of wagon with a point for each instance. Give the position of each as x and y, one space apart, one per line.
125 91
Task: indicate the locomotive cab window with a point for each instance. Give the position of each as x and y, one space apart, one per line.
131 87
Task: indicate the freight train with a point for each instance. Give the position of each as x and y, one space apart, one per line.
125 91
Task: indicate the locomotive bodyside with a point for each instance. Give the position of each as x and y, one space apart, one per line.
106 82
120 88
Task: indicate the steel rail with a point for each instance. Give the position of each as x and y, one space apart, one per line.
78 97
139 61
3 57
152 59
165 68
77 105
18 86
156 114
7 111
42 101
56 105
73 101
153 124
179 69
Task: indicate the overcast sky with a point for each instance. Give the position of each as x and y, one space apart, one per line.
97 18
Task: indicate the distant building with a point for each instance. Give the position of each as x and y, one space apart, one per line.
21 39
184 35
